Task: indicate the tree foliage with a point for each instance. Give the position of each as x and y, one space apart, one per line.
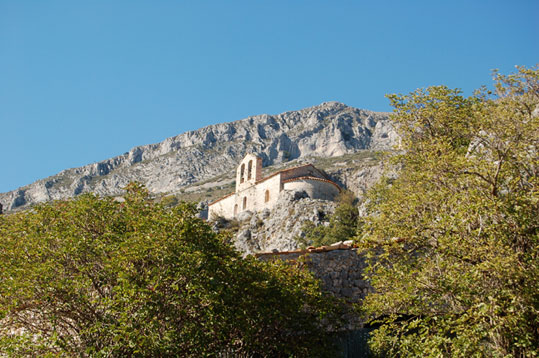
169 201
342 224
454 239
97 277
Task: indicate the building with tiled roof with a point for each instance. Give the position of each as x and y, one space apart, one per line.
255 193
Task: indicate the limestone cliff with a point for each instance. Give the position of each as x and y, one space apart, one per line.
196 158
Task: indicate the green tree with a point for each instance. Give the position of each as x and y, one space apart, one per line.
95 277
169 201
454 240
342 223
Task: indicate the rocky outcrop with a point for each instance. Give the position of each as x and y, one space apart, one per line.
330 129
278 229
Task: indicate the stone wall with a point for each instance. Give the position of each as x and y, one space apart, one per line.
315 189
303 170
340 269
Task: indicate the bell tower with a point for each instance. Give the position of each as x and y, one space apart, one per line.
249 172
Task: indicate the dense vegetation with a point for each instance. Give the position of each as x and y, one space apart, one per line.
342 224
97 277
454 239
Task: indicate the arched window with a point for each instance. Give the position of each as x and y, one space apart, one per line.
266 196
249 169
244 202
242 172
236 209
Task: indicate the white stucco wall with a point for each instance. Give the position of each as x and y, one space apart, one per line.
255 195
243 180
250 195
273 186
223 207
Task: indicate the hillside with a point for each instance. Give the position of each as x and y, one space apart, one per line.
199 164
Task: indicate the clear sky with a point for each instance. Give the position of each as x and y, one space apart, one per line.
82 81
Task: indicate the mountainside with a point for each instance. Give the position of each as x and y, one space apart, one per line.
210 154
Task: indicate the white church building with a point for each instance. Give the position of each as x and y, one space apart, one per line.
255 193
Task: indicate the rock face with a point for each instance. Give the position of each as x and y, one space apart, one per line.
330 129
278 228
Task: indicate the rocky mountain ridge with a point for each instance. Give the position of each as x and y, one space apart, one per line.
327 130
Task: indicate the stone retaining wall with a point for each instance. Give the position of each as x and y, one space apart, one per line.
340 269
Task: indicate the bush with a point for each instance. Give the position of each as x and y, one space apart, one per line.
95 277
169 201
455 237
342 223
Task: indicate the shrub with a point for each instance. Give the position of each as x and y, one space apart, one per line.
95 277
342 223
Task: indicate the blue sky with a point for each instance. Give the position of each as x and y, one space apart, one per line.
82 81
